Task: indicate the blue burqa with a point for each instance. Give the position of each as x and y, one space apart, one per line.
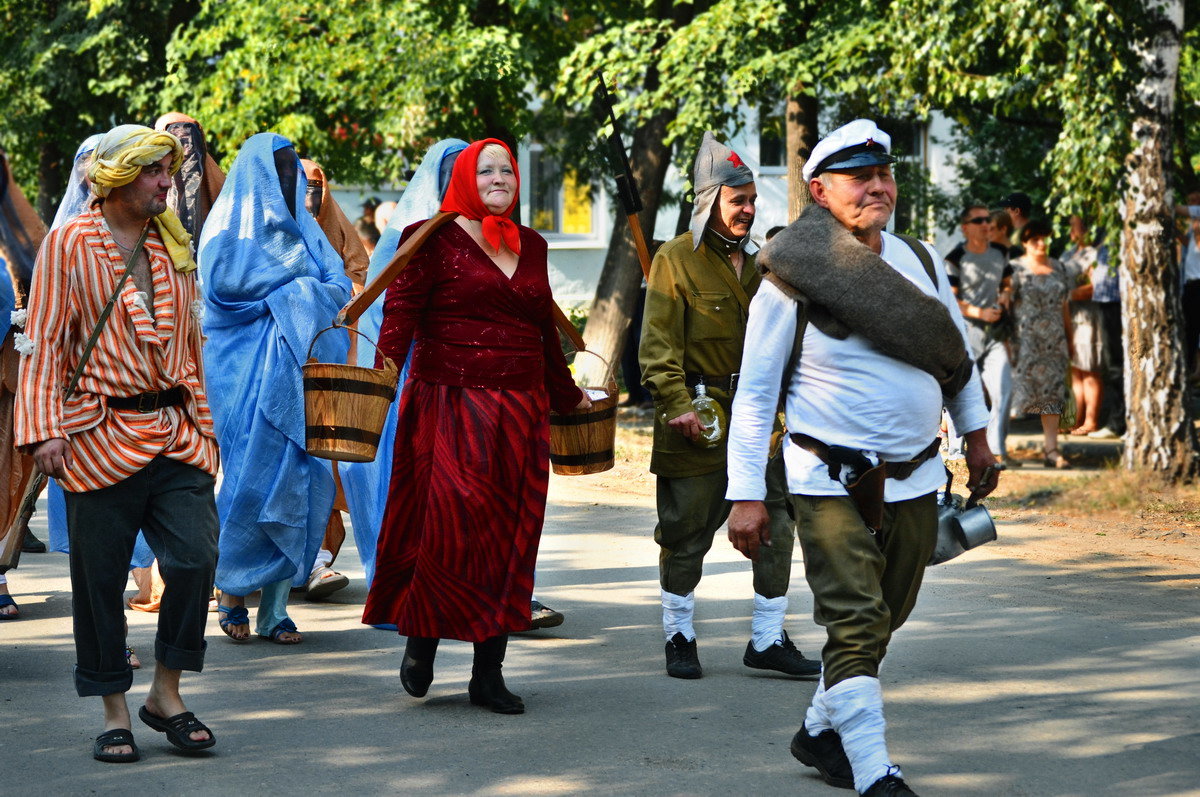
271 281
366 483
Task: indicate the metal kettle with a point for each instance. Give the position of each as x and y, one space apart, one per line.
963 524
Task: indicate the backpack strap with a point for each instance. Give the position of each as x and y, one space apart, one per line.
922 254
794 356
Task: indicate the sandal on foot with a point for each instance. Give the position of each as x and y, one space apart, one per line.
1054 459
233 615
179 729
286 626
131 657
7 600
323 582
115 738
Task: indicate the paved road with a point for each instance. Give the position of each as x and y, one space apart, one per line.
1014 678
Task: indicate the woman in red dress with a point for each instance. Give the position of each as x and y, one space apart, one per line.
468 488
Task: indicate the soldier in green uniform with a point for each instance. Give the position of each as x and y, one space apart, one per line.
697 300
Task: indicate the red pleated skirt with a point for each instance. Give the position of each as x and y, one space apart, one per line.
464 515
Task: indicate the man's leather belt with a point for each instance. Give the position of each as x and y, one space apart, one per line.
893 470
148 402
728 382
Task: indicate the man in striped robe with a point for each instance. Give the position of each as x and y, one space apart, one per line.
133 444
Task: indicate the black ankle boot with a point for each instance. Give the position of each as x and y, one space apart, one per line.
487 681
416 670
487 689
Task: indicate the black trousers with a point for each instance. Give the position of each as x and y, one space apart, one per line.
173 504
1113 406
1191 322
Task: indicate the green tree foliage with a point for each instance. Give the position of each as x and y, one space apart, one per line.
70 68
1030 62
365 88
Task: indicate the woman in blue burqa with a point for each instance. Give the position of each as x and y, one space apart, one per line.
366 483
271 281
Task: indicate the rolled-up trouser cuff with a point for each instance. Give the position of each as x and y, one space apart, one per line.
90 683
174 658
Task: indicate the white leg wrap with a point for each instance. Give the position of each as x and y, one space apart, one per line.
855 707
677 614
324 559
766 628
816 719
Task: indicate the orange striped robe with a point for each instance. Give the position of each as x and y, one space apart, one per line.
76 273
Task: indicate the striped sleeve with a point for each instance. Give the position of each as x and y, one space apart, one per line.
39 399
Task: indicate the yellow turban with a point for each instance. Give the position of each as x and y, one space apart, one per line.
118 160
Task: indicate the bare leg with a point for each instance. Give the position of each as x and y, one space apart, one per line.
1054 457
164 700
1080 398
1093 391
116 715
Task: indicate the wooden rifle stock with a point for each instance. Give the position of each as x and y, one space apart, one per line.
359 304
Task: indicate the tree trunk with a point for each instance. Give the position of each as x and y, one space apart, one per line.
621 278
801 138
1160 436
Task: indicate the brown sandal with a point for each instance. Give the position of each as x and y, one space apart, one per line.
1054 459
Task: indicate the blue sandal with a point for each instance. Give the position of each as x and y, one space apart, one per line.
7 600
286 626
233 615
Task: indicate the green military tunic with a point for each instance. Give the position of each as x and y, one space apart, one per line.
694 323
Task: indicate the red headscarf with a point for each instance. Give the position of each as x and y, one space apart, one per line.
462 197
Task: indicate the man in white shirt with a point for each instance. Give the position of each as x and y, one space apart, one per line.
846 393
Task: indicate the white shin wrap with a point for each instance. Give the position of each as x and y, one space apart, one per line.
677 614
767 626
855 709
816 719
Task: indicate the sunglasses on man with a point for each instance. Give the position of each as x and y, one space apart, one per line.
978 220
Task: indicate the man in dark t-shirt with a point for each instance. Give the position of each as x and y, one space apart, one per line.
980 276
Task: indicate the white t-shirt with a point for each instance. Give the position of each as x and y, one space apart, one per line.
846 393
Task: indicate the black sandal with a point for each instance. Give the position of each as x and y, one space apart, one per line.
115 738
179 729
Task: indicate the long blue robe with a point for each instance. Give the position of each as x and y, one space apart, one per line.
271 281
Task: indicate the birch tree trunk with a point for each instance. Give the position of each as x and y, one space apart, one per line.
621 277
1160 436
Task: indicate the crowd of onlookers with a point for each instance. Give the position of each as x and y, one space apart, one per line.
1045 330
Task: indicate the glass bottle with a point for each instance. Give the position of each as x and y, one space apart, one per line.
712 419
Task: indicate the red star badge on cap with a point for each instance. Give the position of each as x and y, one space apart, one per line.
735 160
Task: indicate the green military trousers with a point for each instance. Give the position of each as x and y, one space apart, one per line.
691 509
863 587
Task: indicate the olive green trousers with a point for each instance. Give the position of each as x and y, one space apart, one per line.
863 587
691 509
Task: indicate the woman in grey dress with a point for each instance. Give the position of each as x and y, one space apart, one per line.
1042 336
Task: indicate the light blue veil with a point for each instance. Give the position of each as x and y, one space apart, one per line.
366 483
78 193
271 281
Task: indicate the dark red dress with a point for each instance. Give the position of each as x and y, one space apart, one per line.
468 489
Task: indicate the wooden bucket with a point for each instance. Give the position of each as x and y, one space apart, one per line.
582 441
345 406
